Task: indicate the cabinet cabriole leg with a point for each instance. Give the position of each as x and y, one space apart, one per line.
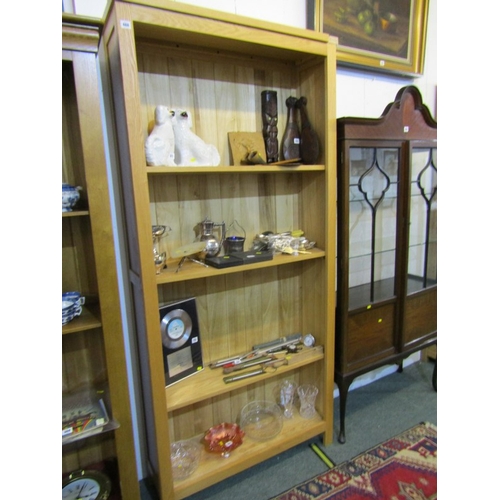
343 391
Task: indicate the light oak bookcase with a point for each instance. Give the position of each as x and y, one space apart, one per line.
216 65
93 350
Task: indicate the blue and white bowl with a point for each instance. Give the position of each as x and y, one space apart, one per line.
70 195
72 303
74 297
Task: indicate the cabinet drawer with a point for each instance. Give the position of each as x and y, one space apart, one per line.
370 335
420 315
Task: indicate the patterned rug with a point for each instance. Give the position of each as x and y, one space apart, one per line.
402 468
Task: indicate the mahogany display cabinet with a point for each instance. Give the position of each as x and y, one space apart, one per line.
387 239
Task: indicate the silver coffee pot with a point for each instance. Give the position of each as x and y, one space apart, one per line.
213 244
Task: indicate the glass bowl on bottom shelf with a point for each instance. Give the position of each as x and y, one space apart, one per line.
224 438
261 420
185 458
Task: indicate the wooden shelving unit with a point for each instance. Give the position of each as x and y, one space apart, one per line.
216 65
93 349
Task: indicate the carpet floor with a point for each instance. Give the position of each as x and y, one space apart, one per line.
375 413
402 468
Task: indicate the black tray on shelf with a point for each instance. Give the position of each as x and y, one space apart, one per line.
253 256
224 261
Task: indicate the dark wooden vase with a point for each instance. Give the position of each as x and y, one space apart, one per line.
290 144
309 141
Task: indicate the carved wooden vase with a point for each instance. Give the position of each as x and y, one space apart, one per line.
269 99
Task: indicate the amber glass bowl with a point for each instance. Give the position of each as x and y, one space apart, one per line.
223 438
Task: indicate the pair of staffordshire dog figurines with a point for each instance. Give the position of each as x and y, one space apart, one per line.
172 142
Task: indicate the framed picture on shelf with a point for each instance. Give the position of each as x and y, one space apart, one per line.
384 35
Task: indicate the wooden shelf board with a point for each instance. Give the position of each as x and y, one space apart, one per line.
75 213
209 383
214 468
228 17
191 270
247 169
359 296
110 426
88 320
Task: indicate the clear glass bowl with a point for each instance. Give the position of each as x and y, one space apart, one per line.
185 458
261 420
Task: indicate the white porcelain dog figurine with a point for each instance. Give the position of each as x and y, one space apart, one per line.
191 150
160 144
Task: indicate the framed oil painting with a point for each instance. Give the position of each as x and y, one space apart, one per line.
386 35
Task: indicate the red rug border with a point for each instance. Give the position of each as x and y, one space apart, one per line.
426 424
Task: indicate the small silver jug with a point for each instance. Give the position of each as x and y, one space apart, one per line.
213 244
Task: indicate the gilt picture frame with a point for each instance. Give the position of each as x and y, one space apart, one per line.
382 35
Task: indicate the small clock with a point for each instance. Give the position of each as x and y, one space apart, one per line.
308 340
86 484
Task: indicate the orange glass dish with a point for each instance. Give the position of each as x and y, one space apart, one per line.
224 438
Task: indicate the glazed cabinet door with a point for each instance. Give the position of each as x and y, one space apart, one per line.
420 318
371 203
84 359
